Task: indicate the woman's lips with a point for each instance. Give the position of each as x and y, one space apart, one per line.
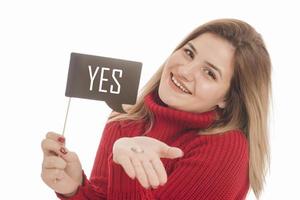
175 87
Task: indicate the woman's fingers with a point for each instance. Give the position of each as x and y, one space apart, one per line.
56 137
53 140
127 165
51 162
160 170
146 171
52 175
151 174
149 170
140 172
51 147
170 152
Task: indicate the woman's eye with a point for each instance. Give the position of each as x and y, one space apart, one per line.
211 74
189 52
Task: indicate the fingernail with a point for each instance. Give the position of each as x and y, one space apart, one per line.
63 150
61 139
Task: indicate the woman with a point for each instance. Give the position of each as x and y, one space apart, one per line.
198 130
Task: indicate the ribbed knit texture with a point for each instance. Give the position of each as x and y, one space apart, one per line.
213 166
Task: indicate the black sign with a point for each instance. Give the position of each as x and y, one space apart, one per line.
114 81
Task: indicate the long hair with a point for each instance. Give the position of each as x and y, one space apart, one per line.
247 99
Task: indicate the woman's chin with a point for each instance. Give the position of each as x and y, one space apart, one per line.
171 103
168 97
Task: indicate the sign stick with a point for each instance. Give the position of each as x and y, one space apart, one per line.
63 132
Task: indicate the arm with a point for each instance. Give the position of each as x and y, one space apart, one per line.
211 171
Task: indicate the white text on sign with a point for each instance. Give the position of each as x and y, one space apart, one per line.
93 76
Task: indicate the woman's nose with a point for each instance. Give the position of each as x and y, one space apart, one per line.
186 72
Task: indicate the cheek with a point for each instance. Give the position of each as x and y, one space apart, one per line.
207 91
203 86
173 60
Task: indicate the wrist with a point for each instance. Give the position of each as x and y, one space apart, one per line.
75 191
70 194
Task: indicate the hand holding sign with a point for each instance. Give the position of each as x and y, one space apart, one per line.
111 80
114 81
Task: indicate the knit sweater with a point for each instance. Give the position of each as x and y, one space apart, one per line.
213 166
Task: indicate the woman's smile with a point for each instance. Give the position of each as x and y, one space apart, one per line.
177 86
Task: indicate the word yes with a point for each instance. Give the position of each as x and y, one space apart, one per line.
93 76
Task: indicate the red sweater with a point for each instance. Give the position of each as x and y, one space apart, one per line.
213 166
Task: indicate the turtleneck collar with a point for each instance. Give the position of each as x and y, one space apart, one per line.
172 120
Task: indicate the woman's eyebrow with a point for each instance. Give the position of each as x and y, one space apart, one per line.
208 63
192 47
213 66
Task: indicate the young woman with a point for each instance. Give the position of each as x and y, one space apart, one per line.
199 129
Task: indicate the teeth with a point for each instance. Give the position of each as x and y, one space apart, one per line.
180 86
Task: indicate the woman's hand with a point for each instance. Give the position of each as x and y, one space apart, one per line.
61 169
146 166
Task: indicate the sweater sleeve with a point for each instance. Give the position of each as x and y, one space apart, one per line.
95 188
210 170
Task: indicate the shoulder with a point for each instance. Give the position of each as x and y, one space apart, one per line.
232 140
233 136
231 145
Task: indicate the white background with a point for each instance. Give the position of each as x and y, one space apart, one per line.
37 37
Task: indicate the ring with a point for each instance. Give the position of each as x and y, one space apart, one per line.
134 149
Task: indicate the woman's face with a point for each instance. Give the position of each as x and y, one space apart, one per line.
203 67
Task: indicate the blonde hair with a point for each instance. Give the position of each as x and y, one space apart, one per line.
247 99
